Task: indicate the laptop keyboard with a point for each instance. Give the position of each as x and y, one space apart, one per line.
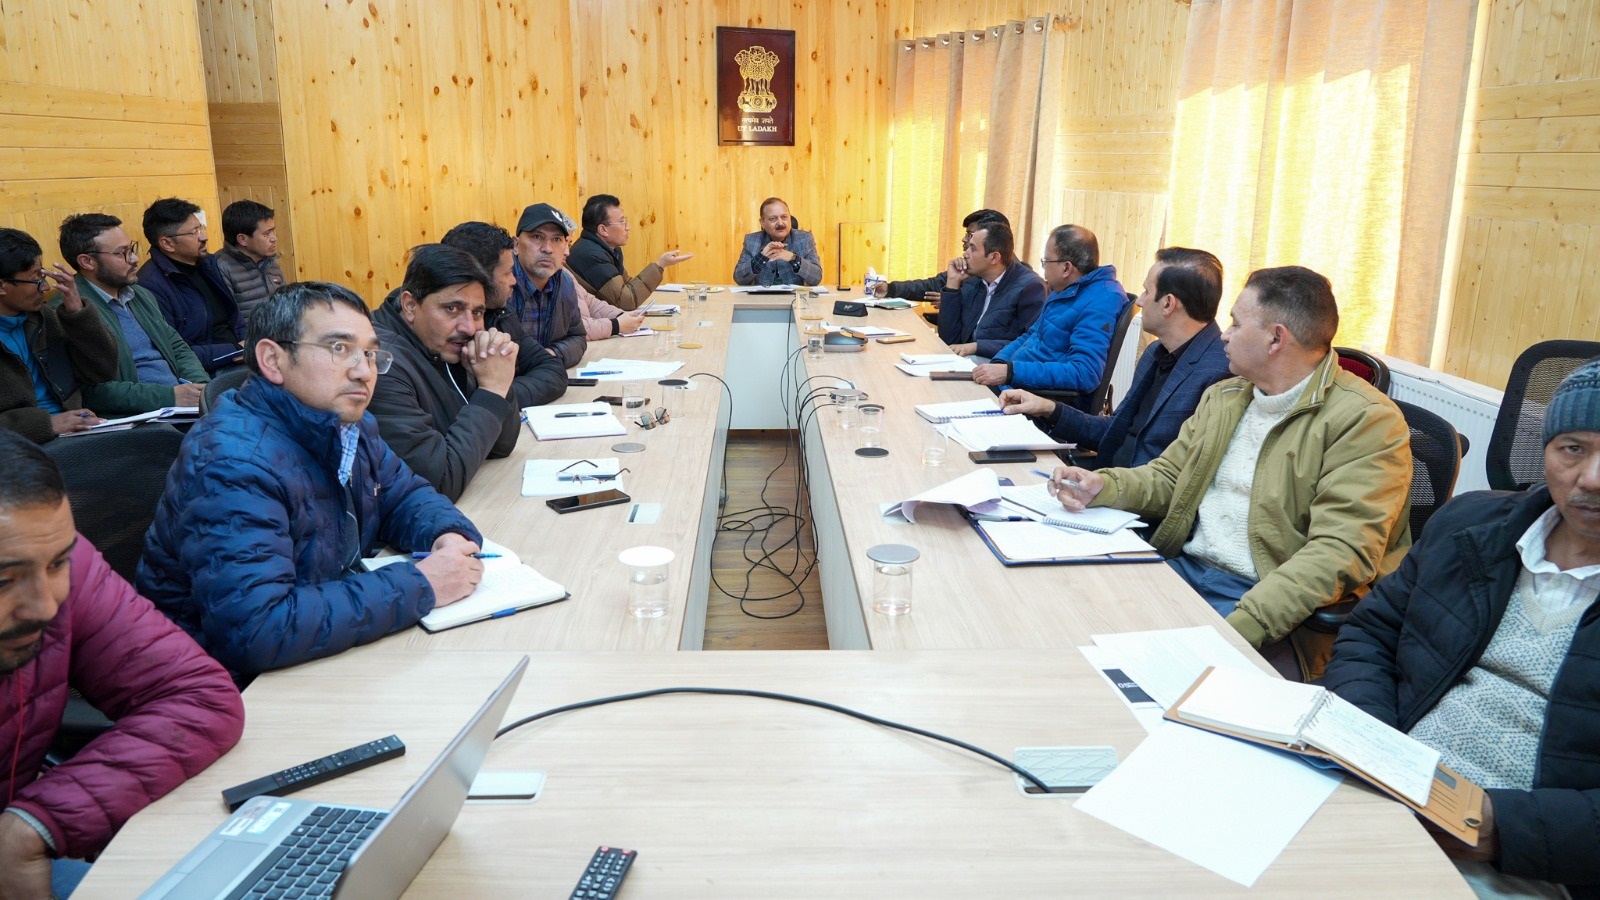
310 860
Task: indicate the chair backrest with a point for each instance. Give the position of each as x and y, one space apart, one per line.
1365 366
114 482
1435 463
1515 457
225 381
1100 400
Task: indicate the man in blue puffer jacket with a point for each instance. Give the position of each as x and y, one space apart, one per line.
277 495
1067 346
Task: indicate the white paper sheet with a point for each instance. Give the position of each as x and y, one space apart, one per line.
544 477
934 363
1166 662
1138 701
1038 499
990 432
627 370
978 490
1229 806
572 420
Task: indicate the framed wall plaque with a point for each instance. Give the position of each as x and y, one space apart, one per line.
755 87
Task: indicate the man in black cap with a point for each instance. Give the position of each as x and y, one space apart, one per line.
545 299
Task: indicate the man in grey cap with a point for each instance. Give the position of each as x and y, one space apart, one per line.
545 299
1485 645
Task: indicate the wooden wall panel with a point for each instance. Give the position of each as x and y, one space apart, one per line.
96 116
1530 236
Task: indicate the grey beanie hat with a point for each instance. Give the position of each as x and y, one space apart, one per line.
1575 406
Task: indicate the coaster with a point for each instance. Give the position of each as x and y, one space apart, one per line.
689 345
664 326
627 447
869 452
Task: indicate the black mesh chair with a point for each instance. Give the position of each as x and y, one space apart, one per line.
1364 366
1435 463
1098 401
1515 458
224 381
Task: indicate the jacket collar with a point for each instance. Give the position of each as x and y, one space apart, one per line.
1071 291
387 317
166 265
594 237
243 257
1316 392
316 430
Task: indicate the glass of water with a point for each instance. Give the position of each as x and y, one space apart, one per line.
870 426
935 447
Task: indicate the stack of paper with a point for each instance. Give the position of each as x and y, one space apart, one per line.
1037 542
565 477
1002 432
171 414
627 370
977 490
921 364
572 420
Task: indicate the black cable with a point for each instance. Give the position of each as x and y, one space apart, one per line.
787 698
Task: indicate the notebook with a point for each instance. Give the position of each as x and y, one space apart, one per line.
372 853
940 413
1038 544
1315 722
176 414
1037 498
508 587
999 432
556 422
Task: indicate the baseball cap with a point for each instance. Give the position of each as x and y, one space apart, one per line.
543 214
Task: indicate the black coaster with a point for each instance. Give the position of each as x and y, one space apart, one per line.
673 382
869 452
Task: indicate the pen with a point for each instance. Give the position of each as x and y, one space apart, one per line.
985 518
586 477
224 356
592 374
1054 487
503 613
988 412
580 414
424 554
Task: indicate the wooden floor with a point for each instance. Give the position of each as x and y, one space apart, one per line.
751 456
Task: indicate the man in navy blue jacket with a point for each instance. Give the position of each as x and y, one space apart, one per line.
280 491
1179 307
1067 346
194 296
992 299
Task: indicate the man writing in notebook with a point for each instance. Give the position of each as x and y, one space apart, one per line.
1178 306
1485 645
1287 489
275 497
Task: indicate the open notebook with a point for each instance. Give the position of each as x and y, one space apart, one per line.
508 587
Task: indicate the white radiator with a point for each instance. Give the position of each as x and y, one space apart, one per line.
1469 406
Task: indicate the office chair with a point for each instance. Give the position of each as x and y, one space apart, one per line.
1515 458
225 380
1098 401
1435 463
1365 366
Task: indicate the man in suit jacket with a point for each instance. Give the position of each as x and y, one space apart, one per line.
992 299
779 253
1179 308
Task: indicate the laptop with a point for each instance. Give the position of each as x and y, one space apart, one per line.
281 847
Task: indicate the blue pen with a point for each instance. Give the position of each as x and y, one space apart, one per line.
503 613
988 412
592 374
424 554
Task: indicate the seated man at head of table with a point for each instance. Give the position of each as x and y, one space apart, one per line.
155 367
541 378
547 305
280 491
1066 347
929 289
68 621
1287 489
990 300
596 258
446 404
1179 308
779 253
47 350
1485 646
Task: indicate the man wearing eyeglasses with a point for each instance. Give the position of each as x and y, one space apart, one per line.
277 495
194 295
155 366
596 258
46 350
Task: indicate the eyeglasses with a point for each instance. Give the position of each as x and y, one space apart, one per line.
36 282
179 234
648 421
582 478
1045 261
346 354
129 252
622 222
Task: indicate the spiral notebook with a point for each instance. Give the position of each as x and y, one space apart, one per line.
1036 498
940 413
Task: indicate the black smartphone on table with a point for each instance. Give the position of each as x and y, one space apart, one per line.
608 497
1001 456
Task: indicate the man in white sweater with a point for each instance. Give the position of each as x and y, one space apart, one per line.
1287 490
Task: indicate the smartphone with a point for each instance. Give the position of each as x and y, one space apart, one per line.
617 401
582 382
1001 456
587 501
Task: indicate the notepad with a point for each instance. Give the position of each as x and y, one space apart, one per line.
1037 498
940 413
554 422
998 432
173 414
508 587
1034 542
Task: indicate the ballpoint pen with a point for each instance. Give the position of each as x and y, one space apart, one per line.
607 372
424 554
1054 485
576 415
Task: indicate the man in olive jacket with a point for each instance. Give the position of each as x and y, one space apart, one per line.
1288 488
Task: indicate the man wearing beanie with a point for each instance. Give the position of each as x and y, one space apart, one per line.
1485 644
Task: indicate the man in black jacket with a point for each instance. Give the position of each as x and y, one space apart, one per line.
540 377
1485 644
992 299
596 259
445 404
929 288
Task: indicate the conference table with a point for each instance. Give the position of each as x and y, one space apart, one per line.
740 797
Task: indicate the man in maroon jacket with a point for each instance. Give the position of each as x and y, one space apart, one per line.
67 620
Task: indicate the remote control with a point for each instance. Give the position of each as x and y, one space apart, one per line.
317 771
604 876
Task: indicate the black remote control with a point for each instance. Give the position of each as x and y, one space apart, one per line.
317 771
603 878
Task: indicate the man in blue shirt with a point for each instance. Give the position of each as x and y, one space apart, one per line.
779 253
46 351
